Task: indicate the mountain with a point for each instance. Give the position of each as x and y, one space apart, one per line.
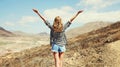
20 33
4 32
43 34
97 48
86 28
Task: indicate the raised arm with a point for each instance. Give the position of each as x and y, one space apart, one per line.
45 21
76 15
36 11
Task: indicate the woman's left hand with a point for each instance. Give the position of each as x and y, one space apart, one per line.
80 11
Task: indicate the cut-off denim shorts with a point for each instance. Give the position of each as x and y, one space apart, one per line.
58 48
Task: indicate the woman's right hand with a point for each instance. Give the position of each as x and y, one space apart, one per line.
35 10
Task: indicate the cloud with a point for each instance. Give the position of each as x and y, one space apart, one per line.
28 19
9 23
65 12
85 17
24 21
96 16
97 4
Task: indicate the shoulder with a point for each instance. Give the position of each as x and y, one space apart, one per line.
69 22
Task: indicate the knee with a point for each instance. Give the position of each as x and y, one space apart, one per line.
60 58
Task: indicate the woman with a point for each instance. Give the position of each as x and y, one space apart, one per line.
57 36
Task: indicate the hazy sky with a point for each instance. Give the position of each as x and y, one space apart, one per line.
17 15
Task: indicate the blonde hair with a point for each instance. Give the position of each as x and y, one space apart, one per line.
57 24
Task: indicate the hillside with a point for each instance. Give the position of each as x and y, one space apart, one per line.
20 33
4 32
43 34
98 48
86 28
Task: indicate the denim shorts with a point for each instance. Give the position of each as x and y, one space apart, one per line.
58 48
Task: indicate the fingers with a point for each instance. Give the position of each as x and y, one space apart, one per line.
35 10
80 11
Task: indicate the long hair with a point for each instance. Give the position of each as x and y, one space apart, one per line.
57 24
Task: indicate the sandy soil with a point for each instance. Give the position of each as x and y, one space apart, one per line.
17 44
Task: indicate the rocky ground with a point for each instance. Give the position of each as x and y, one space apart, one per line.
99 48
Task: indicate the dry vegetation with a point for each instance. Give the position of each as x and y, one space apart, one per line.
99 48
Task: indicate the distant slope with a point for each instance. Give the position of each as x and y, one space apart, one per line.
4 32
43 34
20 33
86 28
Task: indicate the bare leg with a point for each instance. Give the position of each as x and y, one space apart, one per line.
56 58
61 54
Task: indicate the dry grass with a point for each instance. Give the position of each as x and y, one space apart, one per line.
98 48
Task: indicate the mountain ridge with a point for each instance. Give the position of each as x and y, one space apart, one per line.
86 28
6 33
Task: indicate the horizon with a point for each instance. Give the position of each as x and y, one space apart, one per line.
18 15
